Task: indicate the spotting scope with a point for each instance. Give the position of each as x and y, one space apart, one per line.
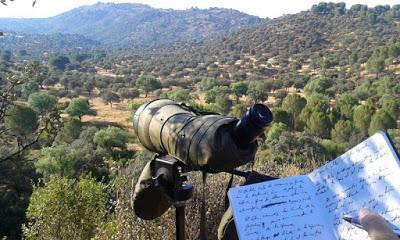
200 141
210 142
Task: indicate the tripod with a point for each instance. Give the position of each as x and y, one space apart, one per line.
169 175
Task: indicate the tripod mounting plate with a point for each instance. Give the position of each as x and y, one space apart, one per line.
168 173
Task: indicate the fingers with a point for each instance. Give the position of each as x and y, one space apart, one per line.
375 225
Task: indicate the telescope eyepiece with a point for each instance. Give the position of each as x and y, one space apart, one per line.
252 125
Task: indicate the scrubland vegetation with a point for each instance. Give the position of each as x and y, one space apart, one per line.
69 158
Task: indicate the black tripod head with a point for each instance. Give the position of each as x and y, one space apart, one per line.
168 173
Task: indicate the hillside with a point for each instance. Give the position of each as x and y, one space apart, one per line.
326 36
136 25
40 43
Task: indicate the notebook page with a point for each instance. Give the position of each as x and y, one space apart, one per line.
281 209
366 176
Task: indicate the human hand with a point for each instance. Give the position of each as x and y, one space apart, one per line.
375 225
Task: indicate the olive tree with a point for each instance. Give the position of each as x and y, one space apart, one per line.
79 107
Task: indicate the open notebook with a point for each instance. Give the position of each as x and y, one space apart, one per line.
312 206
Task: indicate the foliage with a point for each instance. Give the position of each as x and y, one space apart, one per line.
298 148
342 131
238 110
21 120
106 22
66 209
133 105
239 89
111 137
29 88
59 62
110 97
179 95
57 161
70 131
148 83
42 103
329 50
257 91
208 83
280 115
362 118
394 135
319 125
126 93
224 103
79 107
381 120
212 94
345 105
318 85
294 104
276 130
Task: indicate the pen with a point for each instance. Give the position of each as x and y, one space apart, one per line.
356 222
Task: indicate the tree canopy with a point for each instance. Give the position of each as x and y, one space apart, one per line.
79 107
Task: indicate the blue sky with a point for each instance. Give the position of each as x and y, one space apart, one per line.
262 8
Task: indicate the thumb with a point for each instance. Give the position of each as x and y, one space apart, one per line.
375 225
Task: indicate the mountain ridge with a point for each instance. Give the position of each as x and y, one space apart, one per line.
136 25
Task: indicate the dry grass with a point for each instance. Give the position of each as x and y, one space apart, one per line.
117 115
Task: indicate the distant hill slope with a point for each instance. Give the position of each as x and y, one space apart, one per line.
327 27
326 36
136 24
39 43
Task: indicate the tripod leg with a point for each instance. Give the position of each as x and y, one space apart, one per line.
180 222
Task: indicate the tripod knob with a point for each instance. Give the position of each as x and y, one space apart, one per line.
184 193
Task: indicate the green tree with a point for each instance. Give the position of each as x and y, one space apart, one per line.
134 104
345 104
148 83
59 62
319 125
110 97
126 93
79 107
315 103
57 161
391 105
395 137
208 83
318 85
89 85
342 131
362 118
376 65
239 89
42 103
29 88
70 131
66 209
276 130
238 110
381 120
257 91
80 57
294 104
35 72
211 95
21 121
111 137
282 116
180 95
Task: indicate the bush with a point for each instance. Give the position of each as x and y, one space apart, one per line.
66 209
